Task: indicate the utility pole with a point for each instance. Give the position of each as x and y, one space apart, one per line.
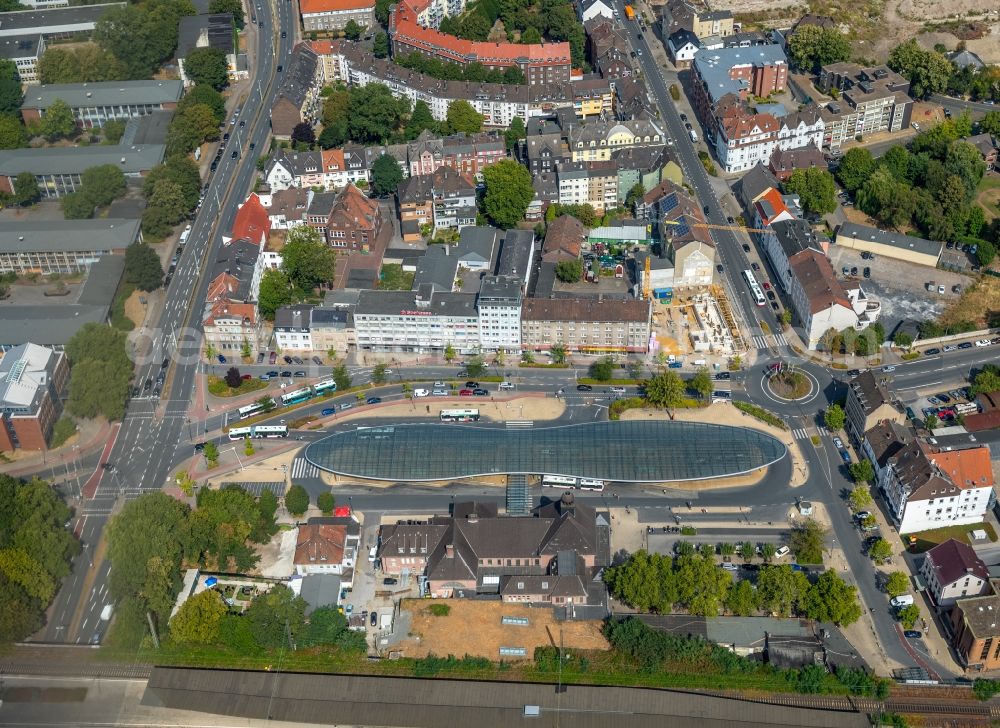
152 629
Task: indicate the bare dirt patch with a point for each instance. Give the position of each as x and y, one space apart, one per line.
135 309
979 303
451 635
519 408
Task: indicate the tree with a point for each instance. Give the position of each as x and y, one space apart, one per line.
880 551
83 64
140 36
26 191
815 188
515 133
198 620
902 340
856 166
666 389
862 471
228 6
897 583
10 95
145 546
58 122
831 599
702 383
374 113
812 47
569 271
927 71
834 417
908 616
341 377
352 31
741 600
603 369
509 191
142 267
449 353
635 195
475 367
276 617
275 292
807 541
211 453
420 120
646 582
326 503
558 353
380 45
103 184
297 500
100 372
463 118
76 206
180 171
328 626
860 498
307 260
386 175
208 66
990 124
202 94
233 379
780 589
12 133
303 133
986 251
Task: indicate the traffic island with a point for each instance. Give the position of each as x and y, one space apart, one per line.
790 385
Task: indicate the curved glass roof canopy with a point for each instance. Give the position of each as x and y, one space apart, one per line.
634 451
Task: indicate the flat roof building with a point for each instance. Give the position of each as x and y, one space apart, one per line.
58 170
94 103
889 244
54 23
62 246
24 51
32 379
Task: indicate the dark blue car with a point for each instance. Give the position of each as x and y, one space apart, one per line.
222 359
327 412
846 456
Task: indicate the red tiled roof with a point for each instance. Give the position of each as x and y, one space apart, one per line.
967 468
321 543
353 207
224 308
325 47
252 222
222 286
773 196
983 421
326 6
406 29
333 160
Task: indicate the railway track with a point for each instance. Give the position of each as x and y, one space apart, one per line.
107 671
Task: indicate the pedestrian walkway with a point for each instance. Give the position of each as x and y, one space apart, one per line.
520 424
302 468
799 433
760 342
780 340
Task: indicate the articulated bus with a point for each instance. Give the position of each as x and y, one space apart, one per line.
299 395
755 293
327 385
239 433
557 481
460 415
261 431
591 484
252 409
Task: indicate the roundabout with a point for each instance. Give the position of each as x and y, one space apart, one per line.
789 388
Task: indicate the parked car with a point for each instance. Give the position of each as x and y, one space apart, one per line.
300 373
755 266
260 358
287 359
867 272
439 392
481 392
390 581
328 411
373 400
965 345
983 342
297 360
221 358
472 385
889 369
912 634
273 375
584 388
286 374
272 357
746 248
950 347
839 443
932 352
845 456
317 361
465 393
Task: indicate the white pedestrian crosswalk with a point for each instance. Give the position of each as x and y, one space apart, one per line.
302 468
520 424
765 342
780 340
759 342
799 433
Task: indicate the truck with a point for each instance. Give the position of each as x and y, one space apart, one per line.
629 12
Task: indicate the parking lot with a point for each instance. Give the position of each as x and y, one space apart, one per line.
900 286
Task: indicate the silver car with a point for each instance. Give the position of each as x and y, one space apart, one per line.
440 392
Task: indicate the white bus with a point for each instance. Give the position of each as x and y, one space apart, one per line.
270 431
591 484
755 293
299 395
460 415
239 433
250 410
327 385
557 481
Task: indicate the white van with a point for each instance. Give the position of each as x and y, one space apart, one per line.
617 390
372 553
903 600
782 552
185 235
506 385
694 135
106 612
421 392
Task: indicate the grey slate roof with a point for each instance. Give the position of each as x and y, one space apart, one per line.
755 183
713 67
795 235
238 259
478 244
320 590
104 93
516 254
76 160
299 74
75 19
51 235
436 268
886 237
217 27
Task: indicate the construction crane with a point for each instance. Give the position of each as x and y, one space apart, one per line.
645 278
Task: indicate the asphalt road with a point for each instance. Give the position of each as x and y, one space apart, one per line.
146 443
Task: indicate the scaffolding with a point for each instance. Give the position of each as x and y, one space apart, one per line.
739 343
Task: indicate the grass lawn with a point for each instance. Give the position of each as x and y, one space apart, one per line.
988 195
217 386
929 539
394 278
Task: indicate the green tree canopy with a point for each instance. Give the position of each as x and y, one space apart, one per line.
26 190
275 292
229 6
103 184
326 503
807 541
76 206
380 45
927 71
328 626
781 589
142 267
141 36
81 64
208 66
58 122
897 583
10 96
386 175
12 132
834 417
420 120
297 500
990 124
375 113
831 599
100 372
509 191
702 382
202 94
811 47
855 167
569 271
603 369
307 260
352 31
815 188
276 617
665 389
462 117
198 620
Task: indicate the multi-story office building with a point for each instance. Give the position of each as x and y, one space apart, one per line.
587 325
32 380
417 321
499 307
94 104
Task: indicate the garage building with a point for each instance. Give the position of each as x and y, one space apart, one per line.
889 244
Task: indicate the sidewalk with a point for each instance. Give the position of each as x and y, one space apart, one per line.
93 434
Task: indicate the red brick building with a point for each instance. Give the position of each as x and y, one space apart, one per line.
348 220
32 379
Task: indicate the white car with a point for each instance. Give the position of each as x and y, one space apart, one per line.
951 347
440 385
729 566
440 392
888 369
983 342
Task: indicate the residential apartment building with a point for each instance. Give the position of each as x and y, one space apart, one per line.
473 552
783 162
286 208
210 30
872 100
446 199
62 246
952 570
542 63
820 301
252 222
678 14
230 325
32 381
588 183
464 153
925 488
422 321
593 96
868 404
355 221
58 170
325 15
975 631
786 238
306 328
586 325
499 307
94 104
884 441
297 99
327 546
597 139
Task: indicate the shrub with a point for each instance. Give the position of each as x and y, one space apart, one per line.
440 610
761 414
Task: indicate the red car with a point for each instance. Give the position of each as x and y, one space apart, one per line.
465 393
767 286
272 357
247 377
